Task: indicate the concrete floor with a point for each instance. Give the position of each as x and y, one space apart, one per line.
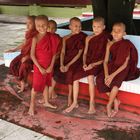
10 131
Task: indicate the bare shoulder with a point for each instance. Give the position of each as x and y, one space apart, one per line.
35 38
88 38
66 37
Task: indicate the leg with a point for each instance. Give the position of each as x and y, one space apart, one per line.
52 93
70 95
32 103
46 98
92 94
22 86
112 97
75 96
116 105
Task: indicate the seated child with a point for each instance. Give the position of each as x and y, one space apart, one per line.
93 57
120 64
70 57
43 52
22 65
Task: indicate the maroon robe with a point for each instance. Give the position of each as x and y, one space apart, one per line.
73 45
118 54
95 53
45 49
19 69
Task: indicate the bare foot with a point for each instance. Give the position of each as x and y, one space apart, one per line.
18 87
31 111
54 96
69 109
50 105
116 108
20 91
113 113
41 101
91 109
109 110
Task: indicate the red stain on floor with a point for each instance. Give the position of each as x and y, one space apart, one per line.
77 125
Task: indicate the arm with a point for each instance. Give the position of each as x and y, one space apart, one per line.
105 63
85 53
49 69
90 66
25 58
110 77
73 60
41 69
121 68
15 49
62 55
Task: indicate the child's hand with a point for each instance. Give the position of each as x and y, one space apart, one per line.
7 51
62 68
110 43
42 70
89 67
66 68
84 67
108 80
49 70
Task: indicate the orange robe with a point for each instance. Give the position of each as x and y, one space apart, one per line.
118 54
45 50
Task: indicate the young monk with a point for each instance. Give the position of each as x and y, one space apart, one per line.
22 65
120 64
70 57
93 57
52 27
43 52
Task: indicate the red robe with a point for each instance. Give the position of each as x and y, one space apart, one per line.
21 70
73 45
96 52
119 52
45 50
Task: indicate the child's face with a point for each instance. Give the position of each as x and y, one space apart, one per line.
98 27
75 27
117 32
51 28
41 26
29 24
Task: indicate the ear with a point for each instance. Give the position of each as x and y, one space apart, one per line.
124 33
104 27
69 26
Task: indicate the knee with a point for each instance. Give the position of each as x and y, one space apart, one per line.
115 89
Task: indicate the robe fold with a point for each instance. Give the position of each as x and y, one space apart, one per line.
95 53
118 54
19 69
73 45
45 49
